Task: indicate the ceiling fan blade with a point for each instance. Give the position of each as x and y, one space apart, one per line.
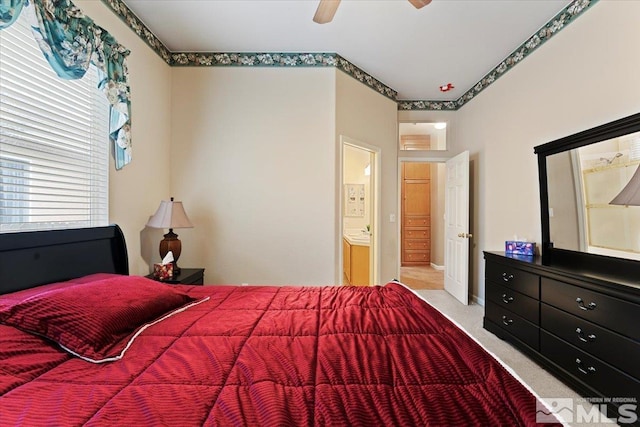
419 3
326 10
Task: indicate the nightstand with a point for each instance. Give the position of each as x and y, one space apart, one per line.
187 276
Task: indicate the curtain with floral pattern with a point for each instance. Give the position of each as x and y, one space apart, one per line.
9 12
70 41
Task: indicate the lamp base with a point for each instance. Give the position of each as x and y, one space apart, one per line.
173 244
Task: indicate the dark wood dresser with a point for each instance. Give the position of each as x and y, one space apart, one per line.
584 328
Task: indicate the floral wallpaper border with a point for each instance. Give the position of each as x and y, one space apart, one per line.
324 59
274 59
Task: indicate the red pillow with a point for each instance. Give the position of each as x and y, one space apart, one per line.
91 320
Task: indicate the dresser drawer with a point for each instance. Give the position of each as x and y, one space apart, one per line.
619 315
613 348
521 281
596 374
417 256
525 306
417 221
517 326
416 234
417 244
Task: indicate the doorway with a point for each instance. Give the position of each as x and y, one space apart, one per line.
421 225
359 213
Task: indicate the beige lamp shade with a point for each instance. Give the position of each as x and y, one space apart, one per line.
170 214
630 194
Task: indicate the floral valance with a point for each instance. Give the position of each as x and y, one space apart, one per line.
70 41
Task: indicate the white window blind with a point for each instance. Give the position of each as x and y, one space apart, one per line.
54 142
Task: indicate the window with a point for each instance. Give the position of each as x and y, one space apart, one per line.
12 180
423 136
54 142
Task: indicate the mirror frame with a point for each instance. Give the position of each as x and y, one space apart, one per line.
575 259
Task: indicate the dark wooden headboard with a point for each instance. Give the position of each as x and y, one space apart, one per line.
38 257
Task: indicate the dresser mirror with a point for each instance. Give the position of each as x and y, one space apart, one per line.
584 183
582 177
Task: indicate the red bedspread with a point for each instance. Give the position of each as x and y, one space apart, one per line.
272 356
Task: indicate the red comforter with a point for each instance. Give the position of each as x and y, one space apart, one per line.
272 356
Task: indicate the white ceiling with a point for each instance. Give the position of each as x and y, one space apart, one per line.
413 51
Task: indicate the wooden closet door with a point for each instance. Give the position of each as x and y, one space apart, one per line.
413 170
417 198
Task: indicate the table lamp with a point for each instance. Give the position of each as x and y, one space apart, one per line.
170 215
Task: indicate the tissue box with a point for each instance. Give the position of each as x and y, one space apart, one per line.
163 271
520 248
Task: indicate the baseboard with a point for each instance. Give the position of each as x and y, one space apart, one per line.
479 301
437 267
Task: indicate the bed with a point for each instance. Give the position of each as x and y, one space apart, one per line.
84 343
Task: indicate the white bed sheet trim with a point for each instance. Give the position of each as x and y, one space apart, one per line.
138 332
504 365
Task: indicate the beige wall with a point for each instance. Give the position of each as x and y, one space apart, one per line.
254 161
586 75
136 190
368 117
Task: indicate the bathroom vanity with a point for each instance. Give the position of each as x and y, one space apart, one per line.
355 261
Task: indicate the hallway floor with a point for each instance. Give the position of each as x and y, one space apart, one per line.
422 277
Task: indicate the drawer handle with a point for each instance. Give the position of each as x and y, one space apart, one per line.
590 337
507 277
589 370
506 299
506 322
590 306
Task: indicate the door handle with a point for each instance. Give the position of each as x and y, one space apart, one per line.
465 235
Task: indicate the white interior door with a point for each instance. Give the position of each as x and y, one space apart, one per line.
456 229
